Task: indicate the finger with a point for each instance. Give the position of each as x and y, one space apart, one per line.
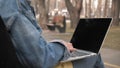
73 49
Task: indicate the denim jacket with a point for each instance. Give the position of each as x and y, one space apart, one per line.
31 48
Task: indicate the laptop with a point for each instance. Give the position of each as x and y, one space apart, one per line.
88 37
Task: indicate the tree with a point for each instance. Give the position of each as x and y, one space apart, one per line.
99 7
43 14
87 8
115 12
41 10
105 8
74 11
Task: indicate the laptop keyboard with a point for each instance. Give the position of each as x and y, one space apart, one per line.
78 53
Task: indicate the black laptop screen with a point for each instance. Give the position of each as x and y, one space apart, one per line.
90 33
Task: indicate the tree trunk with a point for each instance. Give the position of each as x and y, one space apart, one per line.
89 8
47 5
115 12
86 8
106 8
74 11
98 12
43 17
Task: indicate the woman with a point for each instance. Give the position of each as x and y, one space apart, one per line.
31 48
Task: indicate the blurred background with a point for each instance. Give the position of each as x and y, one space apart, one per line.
74 9
58 19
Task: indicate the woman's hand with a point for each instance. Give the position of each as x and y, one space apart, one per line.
69 46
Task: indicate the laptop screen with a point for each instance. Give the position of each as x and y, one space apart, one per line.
89 33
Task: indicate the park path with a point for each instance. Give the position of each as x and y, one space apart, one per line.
111 57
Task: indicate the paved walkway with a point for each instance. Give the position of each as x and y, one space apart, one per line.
111 57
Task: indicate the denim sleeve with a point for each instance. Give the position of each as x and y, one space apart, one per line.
32 49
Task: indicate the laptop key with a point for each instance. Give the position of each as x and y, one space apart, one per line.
78 53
